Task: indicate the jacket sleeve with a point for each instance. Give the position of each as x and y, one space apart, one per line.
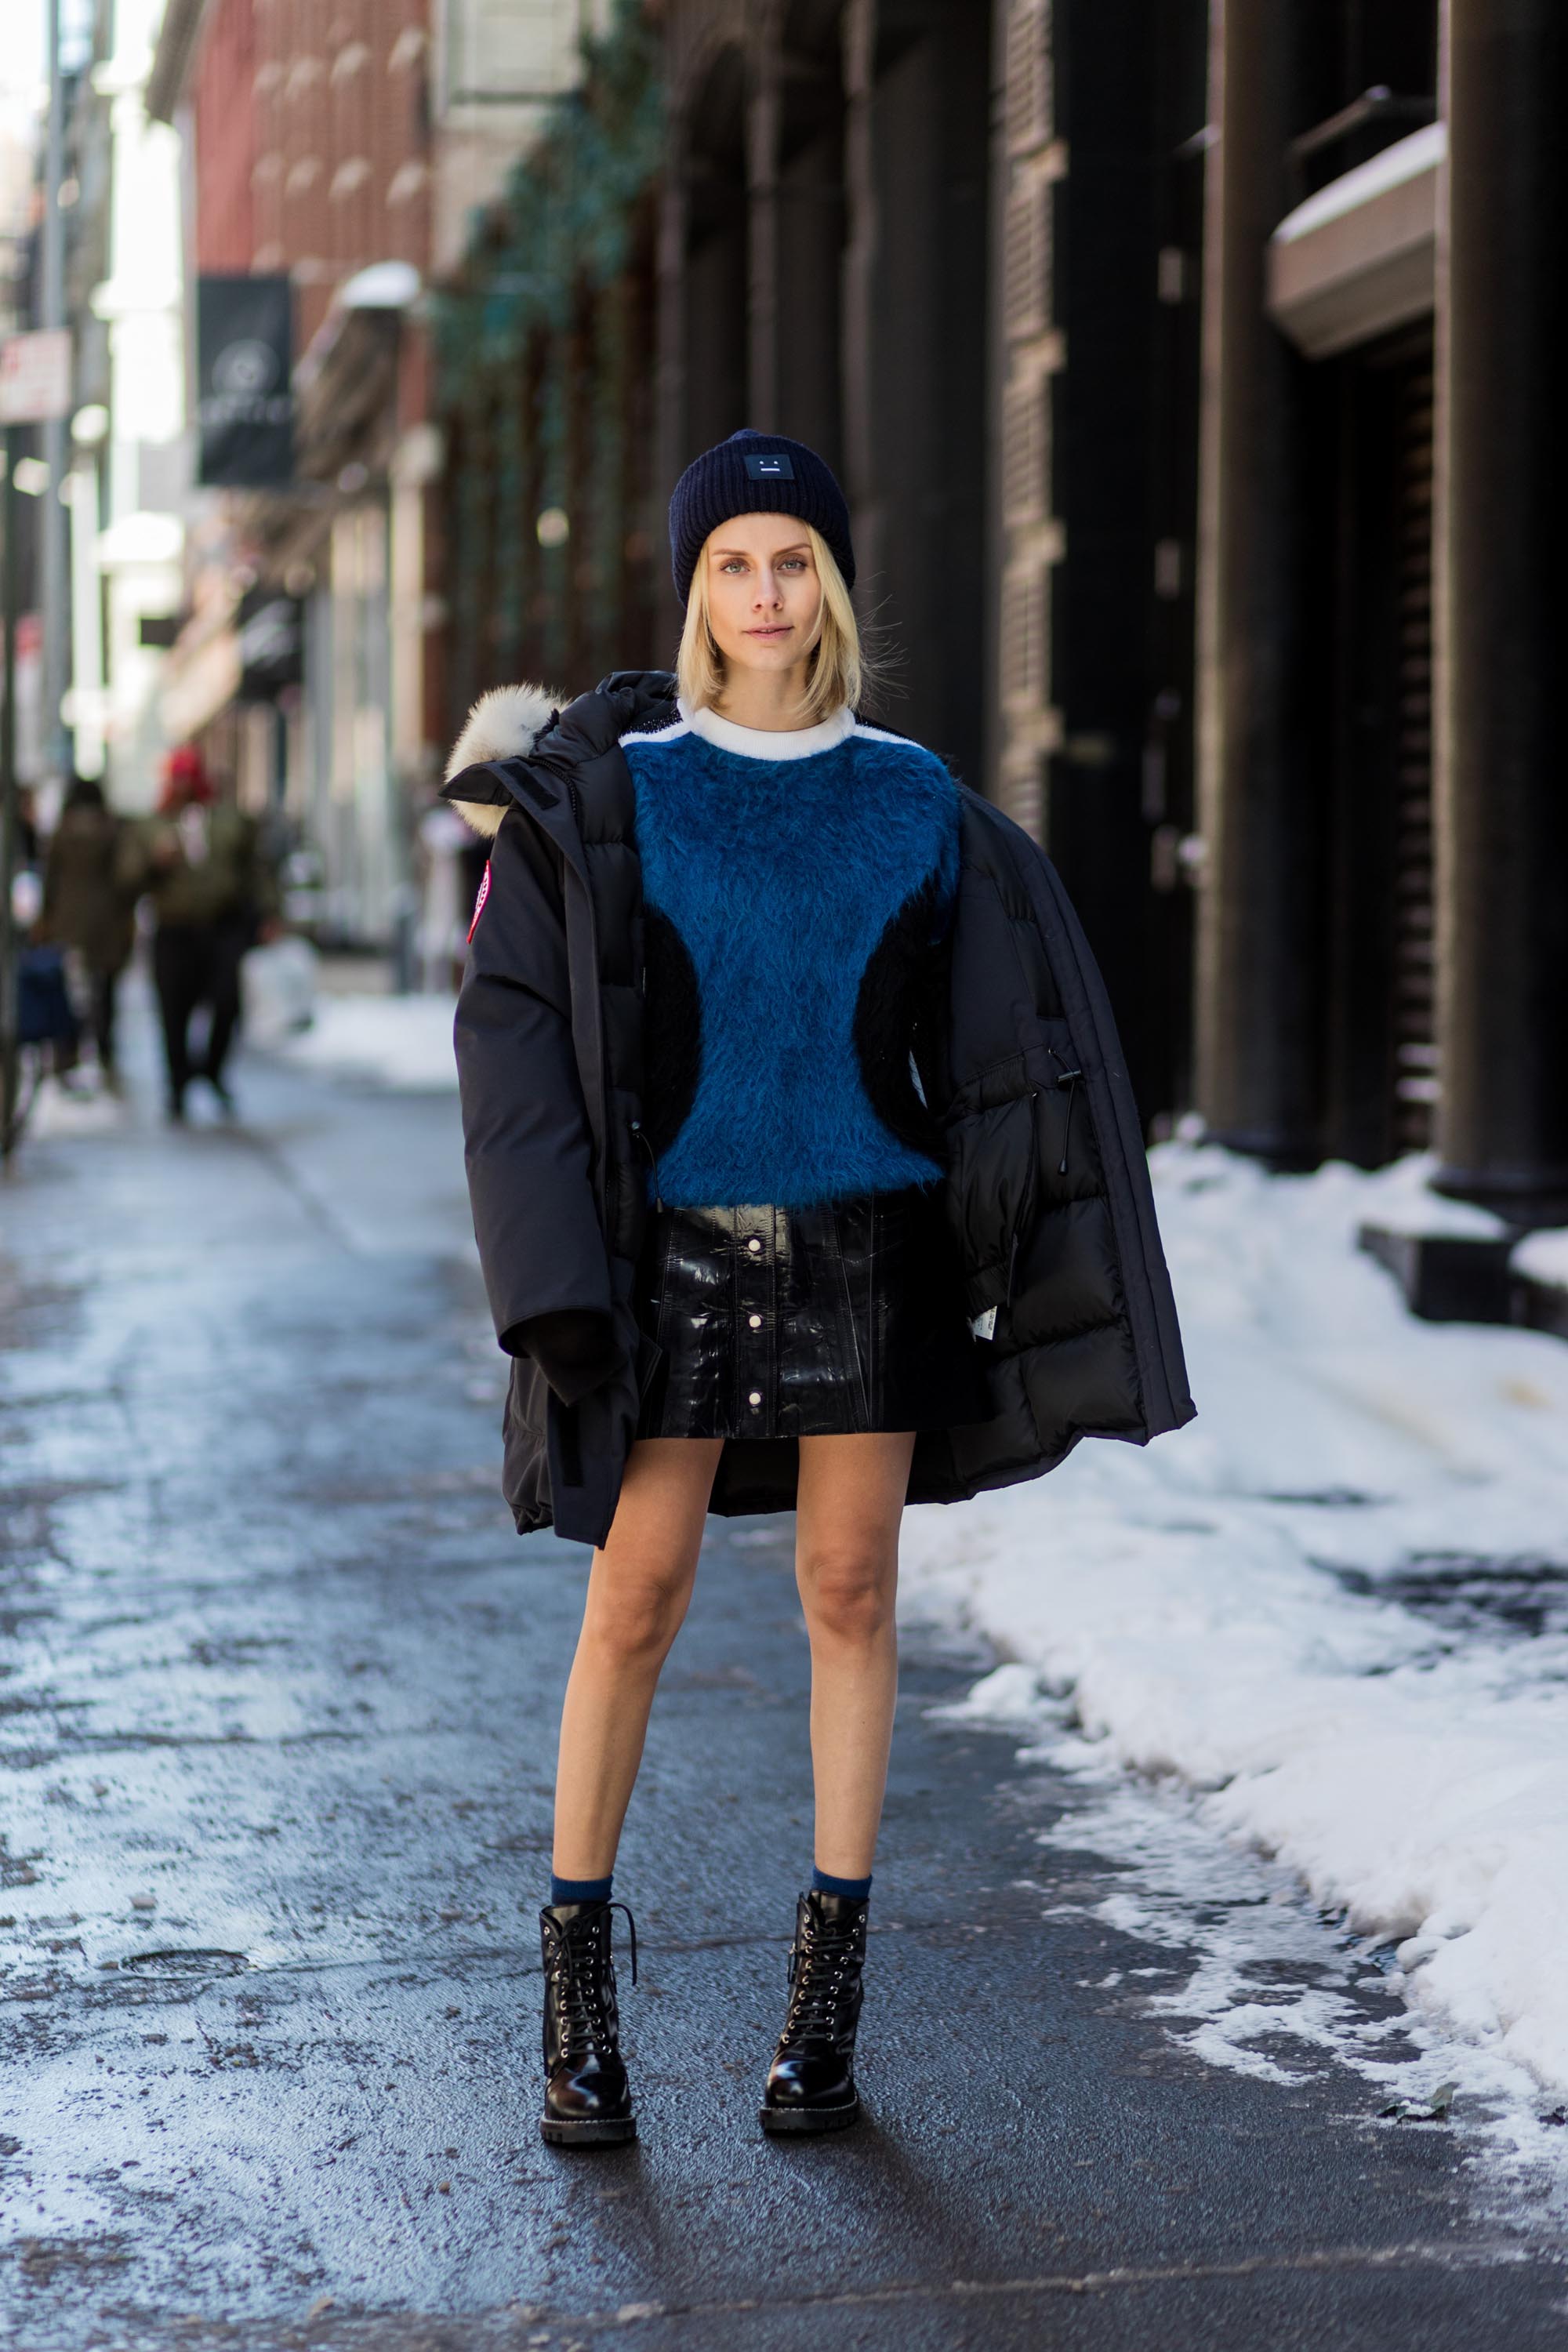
54 865
525 1129
258 870
133 860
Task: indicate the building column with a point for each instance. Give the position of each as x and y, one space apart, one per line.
1257 900
1029 160
764 106
669 360
862 255
1500 804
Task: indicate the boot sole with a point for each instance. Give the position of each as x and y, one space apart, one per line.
591 2131
779 2121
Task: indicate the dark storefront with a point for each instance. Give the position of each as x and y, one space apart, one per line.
545 356
1383 951
1101 182
1186 371
824 261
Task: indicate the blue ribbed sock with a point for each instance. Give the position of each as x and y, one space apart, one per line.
854 1890
579 1890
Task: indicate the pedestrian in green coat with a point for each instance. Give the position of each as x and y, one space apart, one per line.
215 893
88 909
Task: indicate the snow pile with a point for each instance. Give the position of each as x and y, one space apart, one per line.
83 1108
404 1043
1213 1601
1544 1257
278 984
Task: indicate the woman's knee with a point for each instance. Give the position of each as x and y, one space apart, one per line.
847 1593
636 1613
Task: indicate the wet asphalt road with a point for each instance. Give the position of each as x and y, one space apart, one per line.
278 1689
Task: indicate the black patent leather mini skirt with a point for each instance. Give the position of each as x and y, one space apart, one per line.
805 1322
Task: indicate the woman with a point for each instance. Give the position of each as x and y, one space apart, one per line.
87 909
771 1044
202 861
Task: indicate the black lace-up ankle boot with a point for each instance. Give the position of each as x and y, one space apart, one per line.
811 2082
587 2100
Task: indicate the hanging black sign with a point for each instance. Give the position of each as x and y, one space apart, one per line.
271 644
244 401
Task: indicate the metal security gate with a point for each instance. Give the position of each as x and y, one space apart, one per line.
1415 1075
1371 475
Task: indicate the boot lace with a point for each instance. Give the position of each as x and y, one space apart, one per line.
581 1972
823 1962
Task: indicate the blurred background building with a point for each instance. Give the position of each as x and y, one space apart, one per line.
1186 366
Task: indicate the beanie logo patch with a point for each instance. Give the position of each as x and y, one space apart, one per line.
774 467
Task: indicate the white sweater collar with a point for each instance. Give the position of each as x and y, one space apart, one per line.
763 743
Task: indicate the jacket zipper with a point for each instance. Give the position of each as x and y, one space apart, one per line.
636 1123
1024 1208
557 767
652 1159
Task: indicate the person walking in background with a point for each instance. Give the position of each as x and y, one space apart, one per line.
89 908
213 890
806 1173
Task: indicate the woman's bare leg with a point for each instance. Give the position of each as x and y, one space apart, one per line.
637 1591
847 1564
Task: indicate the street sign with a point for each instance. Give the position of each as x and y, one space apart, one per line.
36 376
271 644
244 401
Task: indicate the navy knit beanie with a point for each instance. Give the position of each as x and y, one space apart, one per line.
755 472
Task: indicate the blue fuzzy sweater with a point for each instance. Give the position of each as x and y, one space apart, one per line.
784 896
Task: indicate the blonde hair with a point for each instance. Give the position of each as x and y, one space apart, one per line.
835 667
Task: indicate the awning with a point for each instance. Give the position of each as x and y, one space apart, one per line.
195 686
1360 257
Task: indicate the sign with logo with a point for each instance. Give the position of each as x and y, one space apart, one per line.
36 376
244 401
271 644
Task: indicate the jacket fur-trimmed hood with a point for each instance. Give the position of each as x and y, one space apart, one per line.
504 724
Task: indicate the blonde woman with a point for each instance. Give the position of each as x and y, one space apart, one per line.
771 1044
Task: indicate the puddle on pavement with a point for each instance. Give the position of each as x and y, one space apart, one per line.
179 1961
1508 1600
1327 1498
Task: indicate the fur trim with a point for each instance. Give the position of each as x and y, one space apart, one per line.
482 817
504 724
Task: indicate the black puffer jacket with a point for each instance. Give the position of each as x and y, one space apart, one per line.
1048 1186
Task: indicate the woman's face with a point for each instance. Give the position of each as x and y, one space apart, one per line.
763 591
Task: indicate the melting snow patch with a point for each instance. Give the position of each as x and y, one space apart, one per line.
1248 1606
1253 1977
75 1110
402 1043
1544 1257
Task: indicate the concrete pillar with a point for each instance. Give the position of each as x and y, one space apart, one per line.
862 255
669 360
1257 987
913 346
1501 798
763 108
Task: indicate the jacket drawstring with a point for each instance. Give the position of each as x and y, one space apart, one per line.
1068 1079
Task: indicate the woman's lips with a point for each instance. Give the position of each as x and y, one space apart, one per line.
782 630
